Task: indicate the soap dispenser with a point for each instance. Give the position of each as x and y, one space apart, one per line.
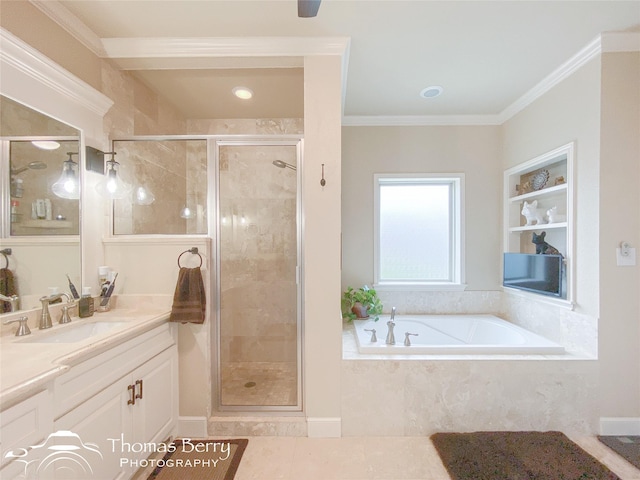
85 304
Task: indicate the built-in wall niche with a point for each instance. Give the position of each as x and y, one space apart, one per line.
544 185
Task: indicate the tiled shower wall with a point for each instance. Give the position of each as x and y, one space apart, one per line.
258 255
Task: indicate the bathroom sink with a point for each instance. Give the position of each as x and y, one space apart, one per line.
73 333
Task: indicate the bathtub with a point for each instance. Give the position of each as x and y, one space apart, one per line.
452 334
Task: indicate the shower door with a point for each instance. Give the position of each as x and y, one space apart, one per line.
258 290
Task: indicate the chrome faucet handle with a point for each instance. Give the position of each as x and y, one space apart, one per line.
407 342
373 334
13 301
393 313
23 328
65 317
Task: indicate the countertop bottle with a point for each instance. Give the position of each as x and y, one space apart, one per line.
85 304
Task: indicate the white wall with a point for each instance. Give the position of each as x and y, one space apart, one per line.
474 151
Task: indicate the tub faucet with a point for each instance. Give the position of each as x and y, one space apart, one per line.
13 301
45 316
391 339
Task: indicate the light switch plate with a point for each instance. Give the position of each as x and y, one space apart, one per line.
628 260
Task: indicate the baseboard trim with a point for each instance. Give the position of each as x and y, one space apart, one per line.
192 427
620 426
324 427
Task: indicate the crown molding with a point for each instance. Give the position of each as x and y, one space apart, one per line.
20 57
584 56
224 47
418 120
621 42
72 24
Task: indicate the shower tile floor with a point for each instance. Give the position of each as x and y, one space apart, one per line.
259 383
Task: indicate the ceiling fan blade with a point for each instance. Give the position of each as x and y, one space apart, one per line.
308 8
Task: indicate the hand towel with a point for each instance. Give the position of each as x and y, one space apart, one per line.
189 300
7 288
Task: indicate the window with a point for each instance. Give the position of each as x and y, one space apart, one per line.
419 231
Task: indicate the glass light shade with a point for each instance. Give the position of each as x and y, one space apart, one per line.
46 144
186 212
112 186
144 196
67 186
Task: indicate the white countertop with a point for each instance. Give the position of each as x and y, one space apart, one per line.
27 364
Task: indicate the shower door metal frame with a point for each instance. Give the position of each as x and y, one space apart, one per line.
217 141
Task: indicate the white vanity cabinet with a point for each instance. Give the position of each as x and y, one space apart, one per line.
123 416
21 426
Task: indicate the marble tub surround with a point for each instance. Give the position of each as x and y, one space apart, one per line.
576 331
410 398
27 365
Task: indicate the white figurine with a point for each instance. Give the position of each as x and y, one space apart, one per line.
532 213
554 217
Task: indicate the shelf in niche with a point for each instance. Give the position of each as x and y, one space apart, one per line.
46 224
544 226
540 193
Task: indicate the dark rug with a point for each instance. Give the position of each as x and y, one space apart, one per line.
627 446
517 456
201 460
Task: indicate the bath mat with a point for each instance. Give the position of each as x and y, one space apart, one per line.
201 460
627 446
517 456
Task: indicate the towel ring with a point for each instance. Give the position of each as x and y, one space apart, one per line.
193 250
5 253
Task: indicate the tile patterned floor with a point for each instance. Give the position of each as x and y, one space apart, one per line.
259 383
371 458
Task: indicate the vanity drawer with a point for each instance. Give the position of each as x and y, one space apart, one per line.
26 424
91 376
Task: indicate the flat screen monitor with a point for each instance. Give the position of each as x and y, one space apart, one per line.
534 273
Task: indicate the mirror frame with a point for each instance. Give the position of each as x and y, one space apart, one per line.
32 79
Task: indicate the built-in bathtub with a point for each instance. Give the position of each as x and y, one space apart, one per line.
452 334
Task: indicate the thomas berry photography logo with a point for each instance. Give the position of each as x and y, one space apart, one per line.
63 455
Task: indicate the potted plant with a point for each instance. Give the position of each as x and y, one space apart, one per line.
361 303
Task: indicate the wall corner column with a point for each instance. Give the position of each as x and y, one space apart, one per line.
322 332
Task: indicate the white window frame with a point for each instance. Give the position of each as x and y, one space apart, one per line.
456 181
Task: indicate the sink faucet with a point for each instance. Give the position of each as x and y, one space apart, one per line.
45 316
13 301
391 339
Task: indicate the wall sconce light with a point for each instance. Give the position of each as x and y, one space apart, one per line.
67 186
112 186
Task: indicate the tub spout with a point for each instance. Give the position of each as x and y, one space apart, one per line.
391 339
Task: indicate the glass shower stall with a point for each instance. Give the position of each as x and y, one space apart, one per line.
258 251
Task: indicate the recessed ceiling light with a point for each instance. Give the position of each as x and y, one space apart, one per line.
431 92
46 144
243 92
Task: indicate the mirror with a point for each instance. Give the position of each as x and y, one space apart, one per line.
168 185
40 215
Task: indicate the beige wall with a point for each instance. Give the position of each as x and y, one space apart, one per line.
24 20
474 151
570 112
619 221
597 107
321 237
